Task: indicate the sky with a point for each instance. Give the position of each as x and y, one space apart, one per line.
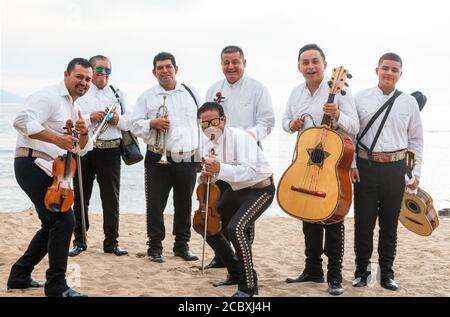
38 39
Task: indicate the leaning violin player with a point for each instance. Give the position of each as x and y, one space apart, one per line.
241 171
41 140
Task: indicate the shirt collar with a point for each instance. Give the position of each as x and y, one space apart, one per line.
96 89
161 91
238 83
322 83
64 92
381 93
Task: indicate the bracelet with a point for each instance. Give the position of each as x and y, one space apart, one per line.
84 133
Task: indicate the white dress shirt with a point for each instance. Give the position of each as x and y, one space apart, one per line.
183 133
247 105
243 163
403 127
49 109
97 100
301 102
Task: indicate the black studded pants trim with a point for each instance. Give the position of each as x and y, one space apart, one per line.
239 210
160 179
378 195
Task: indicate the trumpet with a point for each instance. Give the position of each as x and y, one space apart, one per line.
161 136
102 126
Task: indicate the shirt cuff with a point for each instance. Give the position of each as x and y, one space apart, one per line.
226 172
88 119
34 127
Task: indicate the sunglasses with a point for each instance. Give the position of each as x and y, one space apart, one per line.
100 69
214 122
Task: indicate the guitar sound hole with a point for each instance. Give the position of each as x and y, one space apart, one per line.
317 156
411 204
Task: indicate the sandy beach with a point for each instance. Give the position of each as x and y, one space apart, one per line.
421 264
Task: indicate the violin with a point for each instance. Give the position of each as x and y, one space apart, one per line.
208 195
60 196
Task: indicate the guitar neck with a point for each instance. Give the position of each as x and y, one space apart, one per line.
326 119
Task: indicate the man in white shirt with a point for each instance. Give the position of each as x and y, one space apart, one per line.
247 104
306 108
41 137
245 178
103 162
165 118
379 173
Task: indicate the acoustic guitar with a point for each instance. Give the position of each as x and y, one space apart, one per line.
417 212
316 187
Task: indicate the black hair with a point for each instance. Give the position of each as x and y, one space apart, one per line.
78 61
309 47
162 56
93 60
210 106
390 57
232 49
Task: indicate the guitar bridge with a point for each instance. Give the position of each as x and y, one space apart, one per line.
415 221
308 191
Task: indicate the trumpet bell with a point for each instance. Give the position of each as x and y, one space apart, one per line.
163 160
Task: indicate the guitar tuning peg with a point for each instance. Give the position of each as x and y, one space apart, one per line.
343 93
346 85
349 76
330 83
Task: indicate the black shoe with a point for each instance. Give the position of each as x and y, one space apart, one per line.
230 280
305 277
241 294
72 293
186 255
359 281
156 257
117 251
76 250
22 285
389 284
214 264
335 288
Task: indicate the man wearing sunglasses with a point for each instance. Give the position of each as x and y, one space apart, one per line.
103 162
244 176
247 104
165 117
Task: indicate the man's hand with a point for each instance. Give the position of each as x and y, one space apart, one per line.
81 126
332 110
212 166
204 177
115 119
97 116
160 123
414 185
66 142
296 124
354 175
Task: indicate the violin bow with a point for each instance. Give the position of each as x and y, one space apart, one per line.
80 189
208 182
206 224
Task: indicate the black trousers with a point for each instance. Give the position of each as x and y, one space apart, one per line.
239 210
103 164
334 249
378 194
250 230
53 237
159 180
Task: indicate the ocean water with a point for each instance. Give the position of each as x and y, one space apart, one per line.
278 147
